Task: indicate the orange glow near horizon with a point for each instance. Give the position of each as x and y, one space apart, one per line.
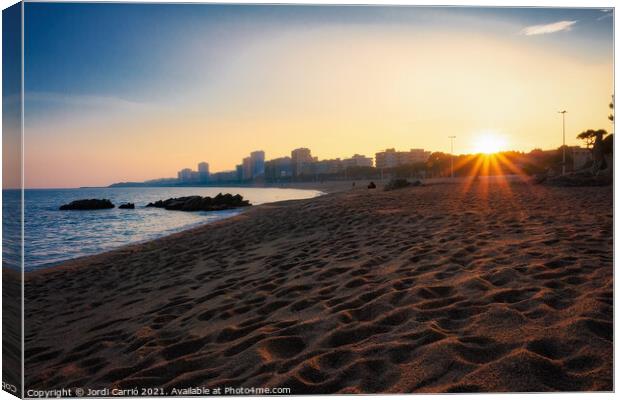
496 165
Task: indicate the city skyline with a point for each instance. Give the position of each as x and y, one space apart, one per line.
480 148
131 92
256 164
302 158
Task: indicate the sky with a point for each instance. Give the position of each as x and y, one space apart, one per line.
11 100
129 92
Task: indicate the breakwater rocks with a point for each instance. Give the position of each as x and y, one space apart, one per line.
88 204
198 203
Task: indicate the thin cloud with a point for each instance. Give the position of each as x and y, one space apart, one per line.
606 14
63 106
548 28
91 101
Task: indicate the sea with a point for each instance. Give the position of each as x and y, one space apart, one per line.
53 236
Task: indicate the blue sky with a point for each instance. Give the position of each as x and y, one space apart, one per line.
11 90
134 50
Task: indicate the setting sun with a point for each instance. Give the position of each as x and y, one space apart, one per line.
489 143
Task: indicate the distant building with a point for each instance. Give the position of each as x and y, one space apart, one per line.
239 171
415 156
246 172
325 167
386 159
257 158
224 176
391 158
203 171
302 160
185 175
357 161
279 168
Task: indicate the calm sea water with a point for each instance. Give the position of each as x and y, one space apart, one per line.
53 236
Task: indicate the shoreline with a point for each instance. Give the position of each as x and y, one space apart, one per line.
199 227
196 224
435 288
325 188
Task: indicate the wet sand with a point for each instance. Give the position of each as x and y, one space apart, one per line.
441 288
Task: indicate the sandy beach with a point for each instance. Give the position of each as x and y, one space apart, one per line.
441 288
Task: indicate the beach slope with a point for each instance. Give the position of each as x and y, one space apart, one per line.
441 288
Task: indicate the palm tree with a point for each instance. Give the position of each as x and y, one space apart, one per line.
590 135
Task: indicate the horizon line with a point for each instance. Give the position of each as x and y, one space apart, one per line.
230 170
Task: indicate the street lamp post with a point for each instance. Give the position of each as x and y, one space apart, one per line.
451 155
563 112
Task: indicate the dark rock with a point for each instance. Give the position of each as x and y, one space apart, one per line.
580 179
197 203
88 204
372 185
127 206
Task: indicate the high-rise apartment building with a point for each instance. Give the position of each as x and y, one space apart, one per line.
185 175
203 171
246 172
357 161
301 159
391 158
279 168
257 158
